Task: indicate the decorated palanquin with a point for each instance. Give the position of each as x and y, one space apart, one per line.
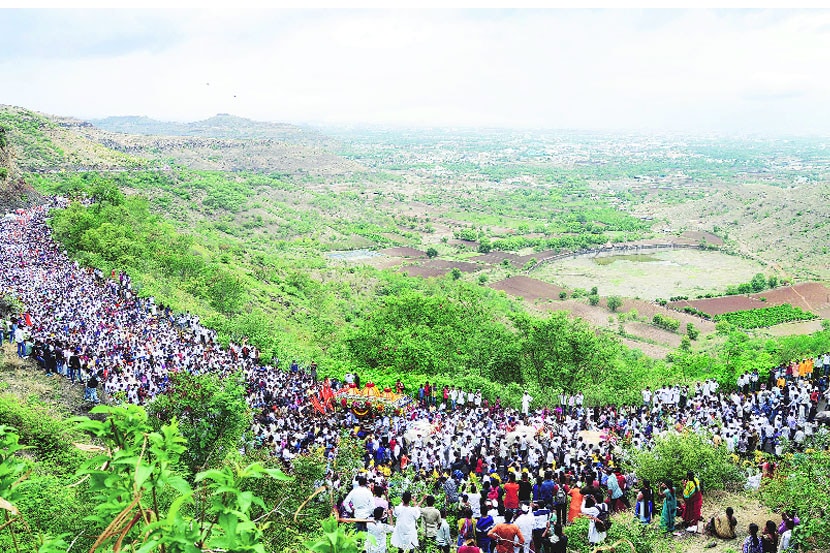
363 402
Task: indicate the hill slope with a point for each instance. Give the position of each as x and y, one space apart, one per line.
40 142
222 125
14 192
784 227
47 143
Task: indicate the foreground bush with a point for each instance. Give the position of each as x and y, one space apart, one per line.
802 486
673 455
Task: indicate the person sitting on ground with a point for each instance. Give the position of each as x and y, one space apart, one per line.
769 538
723 525
784 545
752 543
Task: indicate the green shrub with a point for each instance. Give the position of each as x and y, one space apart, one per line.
48 437
692 331
802 485
674 454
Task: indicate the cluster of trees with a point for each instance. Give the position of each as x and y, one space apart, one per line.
667 323
759 283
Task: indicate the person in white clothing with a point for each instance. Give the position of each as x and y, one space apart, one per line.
525 523
361 501
526 399
405 536
591 510
376 531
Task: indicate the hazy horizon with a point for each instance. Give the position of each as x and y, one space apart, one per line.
745 72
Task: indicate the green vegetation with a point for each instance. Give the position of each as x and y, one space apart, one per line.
666 323
766 316
674 454
692 331
614 303
212 411
802 486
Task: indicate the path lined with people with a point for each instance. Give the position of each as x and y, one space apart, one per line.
93 329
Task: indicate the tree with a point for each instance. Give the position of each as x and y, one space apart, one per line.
563 295
692 331
593 299
758 282
212 415
594 291
455 273
674 454
772 282
225 291
614 303
432 252
564 354
484 245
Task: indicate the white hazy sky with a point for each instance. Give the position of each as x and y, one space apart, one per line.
692 70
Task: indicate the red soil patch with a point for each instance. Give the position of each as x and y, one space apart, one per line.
527 288
426 272
450 265
810 296
403 252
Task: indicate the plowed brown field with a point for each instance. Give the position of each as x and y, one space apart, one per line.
528 288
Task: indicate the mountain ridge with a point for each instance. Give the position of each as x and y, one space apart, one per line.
221 125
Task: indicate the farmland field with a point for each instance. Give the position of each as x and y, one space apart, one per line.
658 275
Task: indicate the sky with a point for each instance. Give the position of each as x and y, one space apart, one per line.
740 71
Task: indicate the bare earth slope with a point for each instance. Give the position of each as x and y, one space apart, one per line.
787 227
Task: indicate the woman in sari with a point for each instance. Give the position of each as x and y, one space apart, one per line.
669 506
693 499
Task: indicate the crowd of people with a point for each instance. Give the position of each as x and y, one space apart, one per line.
507 474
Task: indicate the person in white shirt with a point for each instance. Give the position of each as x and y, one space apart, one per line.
526 399
362 503
376 531
591 510
525 522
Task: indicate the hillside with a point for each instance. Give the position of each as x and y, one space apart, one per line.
786 227
14 192
47 143
219 154
40 142
222 125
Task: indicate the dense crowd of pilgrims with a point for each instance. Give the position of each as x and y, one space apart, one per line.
510 475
